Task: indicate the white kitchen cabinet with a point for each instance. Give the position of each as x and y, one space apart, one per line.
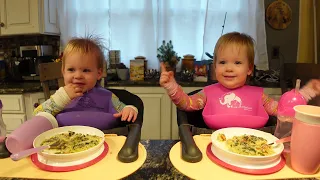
13 121
13 104
17 108
31 101
157 112
13 111
28 17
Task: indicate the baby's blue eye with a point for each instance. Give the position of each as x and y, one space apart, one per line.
70 69
238 62
222 62
86 70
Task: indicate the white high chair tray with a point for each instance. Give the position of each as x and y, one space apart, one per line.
206 169
108 168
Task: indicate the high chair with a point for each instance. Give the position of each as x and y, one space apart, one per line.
129 151
192 123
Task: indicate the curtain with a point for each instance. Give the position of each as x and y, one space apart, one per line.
307 32
137 28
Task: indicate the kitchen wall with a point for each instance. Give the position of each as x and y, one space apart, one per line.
286 40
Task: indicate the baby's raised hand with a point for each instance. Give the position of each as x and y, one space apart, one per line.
127 114
165 75
314 84
311 89
73 91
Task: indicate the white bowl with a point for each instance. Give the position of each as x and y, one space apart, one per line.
221 150
72 156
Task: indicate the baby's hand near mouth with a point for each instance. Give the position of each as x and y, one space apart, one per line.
73 91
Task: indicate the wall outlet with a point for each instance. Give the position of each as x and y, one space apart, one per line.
275 52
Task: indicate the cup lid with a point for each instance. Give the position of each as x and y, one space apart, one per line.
288 100
308 114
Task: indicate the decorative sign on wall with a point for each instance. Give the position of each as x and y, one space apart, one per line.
279 14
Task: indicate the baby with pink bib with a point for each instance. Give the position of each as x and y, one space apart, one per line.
230 102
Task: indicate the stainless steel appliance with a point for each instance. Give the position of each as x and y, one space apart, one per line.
31 57
35 51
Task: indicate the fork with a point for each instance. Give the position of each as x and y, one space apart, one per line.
283 140
25 153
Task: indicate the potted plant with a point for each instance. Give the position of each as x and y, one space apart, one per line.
167 55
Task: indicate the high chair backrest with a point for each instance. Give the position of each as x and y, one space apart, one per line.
50 72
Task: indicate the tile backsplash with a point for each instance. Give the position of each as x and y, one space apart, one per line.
10 44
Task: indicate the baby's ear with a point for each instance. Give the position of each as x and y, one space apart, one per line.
100 73
250 71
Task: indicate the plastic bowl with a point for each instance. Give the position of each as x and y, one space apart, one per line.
72 156
220 149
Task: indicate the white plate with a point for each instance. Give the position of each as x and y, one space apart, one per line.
70 163
72 156
223 151
240 164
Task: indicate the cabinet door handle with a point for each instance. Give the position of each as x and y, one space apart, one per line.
2 24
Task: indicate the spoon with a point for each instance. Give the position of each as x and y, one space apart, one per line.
25 153
283 140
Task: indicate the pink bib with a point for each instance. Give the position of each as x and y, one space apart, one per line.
241 107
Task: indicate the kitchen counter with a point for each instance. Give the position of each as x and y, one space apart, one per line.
26 87
34 86
19 87
154 83
183 84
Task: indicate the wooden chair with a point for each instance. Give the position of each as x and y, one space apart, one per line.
50 72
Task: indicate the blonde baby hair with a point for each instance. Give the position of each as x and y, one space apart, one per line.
236 38
88 45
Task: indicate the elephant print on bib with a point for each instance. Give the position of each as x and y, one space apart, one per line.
231 100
